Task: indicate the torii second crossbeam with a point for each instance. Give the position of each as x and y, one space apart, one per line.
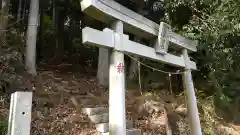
105 38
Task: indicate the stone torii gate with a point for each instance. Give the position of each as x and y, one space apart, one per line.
122 19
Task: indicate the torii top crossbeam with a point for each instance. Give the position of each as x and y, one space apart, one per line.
109 11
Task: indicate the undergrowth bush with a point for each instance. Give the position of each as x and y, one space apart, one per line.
3 126
11 58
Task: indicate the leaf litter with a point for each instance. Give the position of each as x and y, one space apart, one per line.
58 99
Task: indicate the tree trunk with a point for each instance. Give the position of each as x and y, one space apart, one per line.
60 34
4 12
30 60
40 43
54 10
55 24
73 29
4 18
24 12
19 10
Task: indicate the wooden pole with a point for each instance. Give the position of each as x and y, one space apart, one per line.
117 112
191 98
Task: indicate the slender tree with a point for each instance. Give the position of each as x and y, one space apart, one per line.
4 12
24 11
4 18
41 33
54 10
30 60
19 10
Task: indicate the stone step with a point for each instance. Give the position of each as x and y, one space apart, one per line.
96 119
95 110
92 103
104 127
131 131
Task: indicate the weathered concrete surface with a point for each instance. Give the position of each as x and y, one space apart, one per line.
96 119
129 132
104 127
95 111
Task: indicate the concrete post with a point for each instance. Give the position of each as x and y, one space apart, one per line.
19 122
117 112
103 67
191 98
133 68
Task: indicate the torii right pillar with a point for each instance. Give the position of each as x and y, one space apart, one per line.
191 98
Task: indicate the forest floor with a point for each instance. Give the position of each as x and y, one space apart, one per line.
54 113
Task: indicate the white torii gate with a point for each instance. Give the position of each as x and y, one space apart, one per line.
120 19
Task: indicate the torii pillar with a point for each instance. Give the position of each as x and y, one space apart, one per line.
117 110
108 11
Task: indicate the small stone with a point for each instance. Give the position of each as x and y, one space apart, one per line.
181 110
73 118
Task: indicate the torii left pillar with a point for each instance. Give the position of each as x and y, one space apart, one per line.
117 111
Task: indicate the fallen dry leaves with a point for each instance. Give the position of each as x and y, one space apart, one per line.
59 96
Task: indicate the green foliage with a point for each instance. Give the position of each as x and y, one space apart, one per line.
215 29
3 126
209 133
47 20
215 24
